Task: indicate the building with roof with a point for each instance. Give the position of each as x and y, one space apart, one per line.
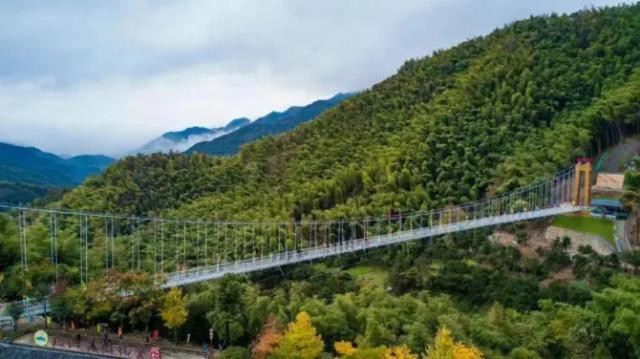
608 207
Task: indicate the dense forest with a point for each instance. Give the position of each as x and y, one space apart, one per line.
489 114
486 116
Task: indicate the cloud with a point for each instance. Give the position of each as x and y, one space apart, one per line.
117 114
107 76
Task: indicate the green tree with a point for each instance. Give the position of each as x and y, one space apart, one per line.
15 309
61 307
226 317
618 309
523 353
632 257
235 353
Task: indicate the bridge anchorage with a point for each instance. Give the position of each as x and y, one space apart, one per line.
184 251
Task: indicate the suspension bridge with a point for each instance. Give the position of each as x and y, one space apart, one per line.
79 246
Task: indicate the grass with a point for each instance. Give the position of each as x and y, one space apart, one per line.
360 270
599 226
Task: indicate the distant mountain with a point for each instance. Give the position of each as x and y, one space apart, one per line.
182 140
27 172
97 162
15 193
273 123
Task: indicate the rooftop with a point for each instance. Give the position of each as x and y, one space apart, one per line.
606 202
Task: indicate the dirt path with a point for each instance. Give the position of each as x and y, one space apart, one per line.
622 241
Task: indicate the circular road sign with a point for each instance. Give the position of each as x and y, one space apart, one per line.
41 338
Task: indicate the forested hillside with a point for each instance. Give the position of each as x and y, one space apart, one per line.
488 115
492 113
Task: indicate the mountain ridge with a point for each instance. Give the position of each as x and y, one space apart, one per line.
489 114
41 171
485 116
271 124
178 141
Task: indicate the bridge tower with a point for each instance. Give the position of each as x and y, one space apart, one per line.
581 194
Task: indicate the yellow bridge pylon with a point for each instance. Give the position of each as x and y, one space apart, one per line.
581 194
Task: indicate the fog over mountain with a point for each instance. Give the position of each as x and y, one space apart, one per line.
180 141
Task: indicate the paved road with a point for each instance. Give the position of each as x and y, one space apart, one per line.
620 234
116 350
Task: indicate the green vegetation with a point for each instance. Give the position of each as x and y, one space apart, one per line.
11 192
486 116
484 296
368 275
360 271
491 114
599 165
631 196
602 227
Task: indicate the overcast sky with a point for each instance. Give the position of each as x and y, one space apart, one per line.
107 76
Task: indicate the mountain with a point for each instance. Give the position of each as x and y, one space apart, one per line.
490 114
271 124
13 192
181 140
93 163
27 172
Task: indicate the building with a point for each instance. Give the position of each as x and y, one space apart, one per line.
608 207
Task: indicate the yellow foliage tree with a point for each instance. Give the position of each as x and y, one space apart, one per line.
399 352
344 348
174 310
300 341
347 350
461 351
445 348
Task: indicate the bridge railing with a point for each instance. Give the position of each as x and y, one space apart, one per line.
98 243
273 260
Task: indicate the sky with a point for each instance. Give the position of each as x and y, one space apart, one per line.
107 76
